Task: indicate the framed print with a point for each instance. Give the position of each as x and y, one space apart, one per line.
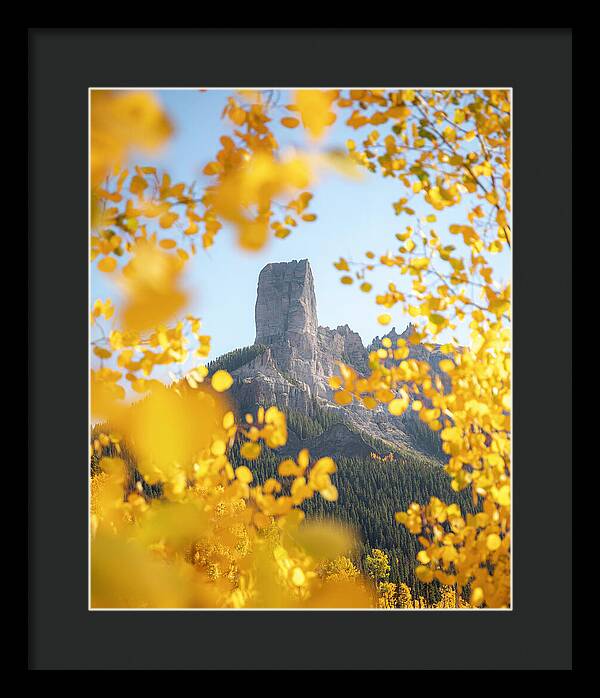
292 376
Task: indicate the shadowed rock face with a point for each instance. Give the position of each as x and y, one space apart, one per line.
293 371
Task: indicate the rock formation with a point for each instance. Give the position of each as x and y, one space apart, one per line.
285 302
300 356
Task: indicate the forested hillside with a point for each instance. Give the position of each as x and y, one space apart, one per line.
235 359
370 491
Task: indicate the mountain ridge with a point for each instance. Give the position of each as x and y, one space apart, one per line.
294 357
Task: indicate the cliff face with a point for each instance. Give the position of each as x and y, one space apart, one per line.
285 301
300 356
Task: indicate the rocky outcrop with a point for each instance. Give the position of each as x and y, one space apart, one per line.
337 438
300 356
285 302
300 352
342 344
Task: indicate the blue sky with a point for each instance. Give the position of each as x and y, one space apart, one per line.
353 216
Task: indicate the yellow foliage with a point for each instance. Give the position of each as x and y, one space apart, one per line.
150 282
217 537
122 122
314 107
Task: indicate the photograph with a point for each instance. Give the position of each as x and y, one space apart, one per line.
300 348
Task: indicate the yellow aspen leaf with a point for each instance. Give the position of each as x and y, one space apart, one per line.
502 495
384 395
397 407
335 382
253 234
420 263
343 397
366 287
347 280
221 381
238 116
399 112
102 353
107 264
168 428
424 574
213 168
250 450
314 108
449 554
447 580
150 281
167 219
298 577
477 596
167 244
287 468
329 493
493 542
290 122
453 434
309 217
228 420
342 265
304 458
428 416
244 474
138 185
200 372
217 447
122 121
139 385
384 319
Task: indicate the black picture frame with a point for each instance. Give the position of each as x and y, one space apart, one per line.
63 64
